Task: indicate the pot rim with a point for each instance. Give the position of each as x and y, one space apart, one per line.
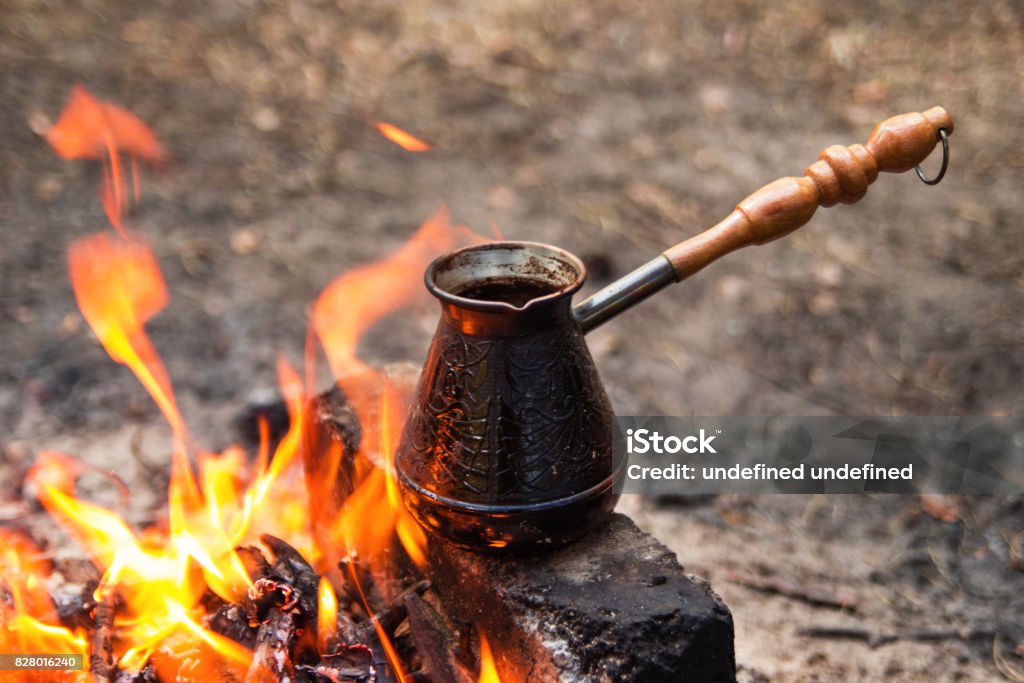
562 292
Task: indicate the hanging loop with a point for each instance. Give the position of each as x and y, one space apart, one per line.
945 161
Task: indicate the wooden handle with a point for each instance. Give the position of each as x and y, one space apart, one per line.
841 174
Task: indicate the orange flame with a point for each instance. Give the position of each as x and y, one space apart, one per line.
27 623
21 566
488 671
163 577
89 128
118 286
406 141
352 303
344 311
161 580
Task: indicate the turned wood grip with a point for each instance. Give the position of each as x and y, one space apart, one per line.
841 174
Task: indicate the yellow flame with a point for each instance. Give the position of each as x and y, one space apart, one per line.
488 671
327 612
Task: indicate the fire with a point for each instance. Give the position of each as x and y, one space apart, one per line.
327 614
406 141
488 671
345 310
156 582
30 617
362 296
21 566
89 128
118 286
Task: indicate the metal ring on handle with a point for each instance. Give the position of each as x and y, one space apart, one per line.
945 161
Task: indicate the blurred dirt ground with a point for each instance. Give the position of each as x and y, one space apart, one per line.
609 128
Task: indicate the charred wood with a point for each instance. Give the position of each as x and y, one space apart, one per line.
146 675
330 442
232 622
291 566
435 644
396 611
269 409
353 664
272 605
101 642
333 413
75 604
254 561
354 577
271 660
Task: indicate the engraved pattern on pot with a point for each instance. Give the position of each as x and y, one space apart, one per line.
511 419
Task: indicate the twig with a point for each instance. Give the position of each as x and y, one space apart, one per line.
1006 667
811 596
389 618
879 639
101 644
394 613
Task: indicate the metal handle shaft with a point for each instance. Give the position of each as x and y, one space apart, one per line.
646 280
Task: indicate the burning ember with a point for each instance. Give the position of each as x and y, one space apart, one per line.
214 591
406 141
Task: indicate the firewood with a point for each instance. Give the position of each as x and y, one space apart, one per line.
271 660
254 561
332 411
292 566
273 606
352 570
146 674
353 664
330 441
434 642
230 621
101 642
75 604
391 616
